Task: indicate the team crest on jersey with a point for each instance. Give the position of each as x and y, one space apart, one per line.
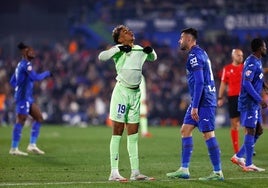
248 72
193 62
29 68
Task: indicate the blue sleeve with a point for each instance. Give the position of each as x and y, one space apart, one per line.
34 76
13 81
251 91
198 86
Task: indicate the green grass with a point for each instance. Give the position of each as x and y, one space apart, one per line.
79 157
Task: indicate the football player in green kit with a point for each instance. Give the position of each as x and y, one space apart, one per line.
125 101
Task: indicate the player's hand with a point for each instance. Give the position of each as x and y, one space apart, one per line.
194 114
125 48
52 73
147 49
220 102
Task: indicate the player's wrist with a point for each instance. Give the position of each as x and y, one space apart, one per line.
219 98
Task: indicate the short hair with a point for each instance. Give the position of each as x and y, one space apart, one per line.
256 43
190 31
22 46
116 32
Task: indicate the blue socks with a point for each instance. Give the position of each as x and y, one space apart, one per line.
17 134
187 148
35 132
249 147
214 153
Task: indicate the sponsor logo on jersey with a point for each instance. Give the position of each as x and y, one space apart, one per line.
248 72
193 62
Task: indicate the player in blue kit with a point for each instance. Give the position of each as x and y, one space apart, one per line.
23 82
250 103
202 110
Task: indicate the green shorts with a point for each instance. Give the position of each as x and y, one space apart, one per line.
125 104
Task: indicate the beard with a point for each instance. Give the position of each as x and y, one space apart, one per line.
183 48
263 54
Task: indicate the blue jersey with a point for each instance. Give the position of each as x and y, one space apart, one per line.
23 81
252 84
200 78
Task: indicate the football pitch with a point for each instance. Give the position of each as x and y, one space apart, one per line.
79 157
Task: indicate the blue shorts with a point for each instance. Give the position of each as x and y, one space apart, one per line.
250 118
23 107
206 121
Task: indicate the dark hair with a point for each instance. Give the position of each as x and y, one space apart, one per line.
22 46
116 32
256 44
190 31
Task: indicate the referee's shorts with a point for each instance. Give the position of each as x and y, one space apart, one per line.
232 106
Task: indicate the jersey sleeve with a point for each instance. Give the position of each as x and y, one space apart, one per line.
248 77
35 76
13 81
152 56
198 87
108 54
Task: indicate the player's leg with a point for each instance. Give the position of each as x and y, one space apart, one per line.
118 109
118 129
22 109
186 153
214 155
235 124
259 131
187 147
132 147
207 127
133 119
235 121
249 119
35 112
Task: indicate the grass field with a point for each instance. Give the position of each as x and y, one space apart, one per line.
79 157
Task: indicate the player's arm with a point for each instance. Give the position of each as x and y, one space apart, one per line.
108 54
152 56
13 81
250 90
37 77
222 89
198 86
246 83
223 86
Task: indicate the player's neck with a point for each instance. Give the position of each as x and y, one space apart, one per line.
257 55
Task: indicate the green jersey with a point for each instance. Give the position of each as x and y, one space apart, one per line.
128 65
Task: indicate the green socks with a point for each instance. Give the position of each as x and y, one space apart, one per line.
132 147
114 151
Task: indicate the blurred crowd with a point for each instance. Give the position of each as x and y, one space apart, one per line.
80 90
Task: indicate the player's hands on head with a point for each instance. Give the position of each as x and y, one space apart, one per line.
147 49
125 48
